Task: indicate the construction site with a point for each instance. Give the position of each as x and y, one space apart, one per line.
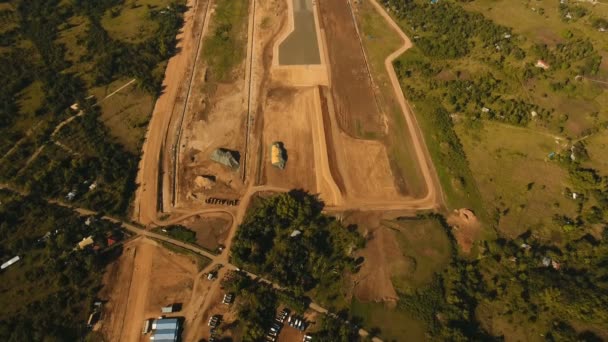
298 112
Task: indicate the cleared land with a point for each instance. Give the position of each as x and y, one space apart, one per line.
216 112
356 107
301 46
287 119
142 280
211 231
400 257
425 245
372 178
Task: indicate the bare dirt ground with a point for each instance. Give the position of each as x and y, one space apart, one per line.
214 306
465 227
142 280
216 122
211 231
372 178
380 256
216 117
351 86
287 119
147 195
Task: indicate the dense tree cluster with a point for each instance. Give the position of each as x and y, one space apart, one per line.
288 238
446 30
333 329
576 53
34 54
48 293
257 304
114 58
524 281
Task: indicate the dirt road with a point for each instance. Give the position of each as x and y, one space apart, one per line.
154 150
434 197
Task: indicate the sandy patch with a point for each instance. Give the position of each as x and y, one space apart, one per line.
144 278
465 227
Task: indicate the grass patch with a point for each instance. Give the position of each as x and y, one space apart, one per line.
525 18
131 22
379 41
391 324
457 182
126 113
182 234
517 180
31 99
72 35
225 48
425 243
597 145
9 19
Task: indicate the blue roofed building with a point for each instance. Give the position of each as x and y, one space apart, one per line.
165 330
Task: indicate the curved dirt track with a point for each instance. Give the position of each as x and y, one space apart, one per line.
434 197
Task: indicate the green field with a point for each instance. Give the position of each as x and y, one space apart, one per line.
131 22
225 47
390 324
125 113
425 251
597 146
517 178
425 243
525 18
68 57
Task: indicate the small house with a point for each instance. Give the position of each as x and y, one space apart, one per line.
86 242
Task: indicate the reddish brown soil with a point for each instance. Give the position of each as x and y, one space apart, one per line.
143 279
352 90
210 231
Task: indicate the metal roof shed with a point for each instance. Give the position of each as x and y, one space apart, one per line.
168 335
165 324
